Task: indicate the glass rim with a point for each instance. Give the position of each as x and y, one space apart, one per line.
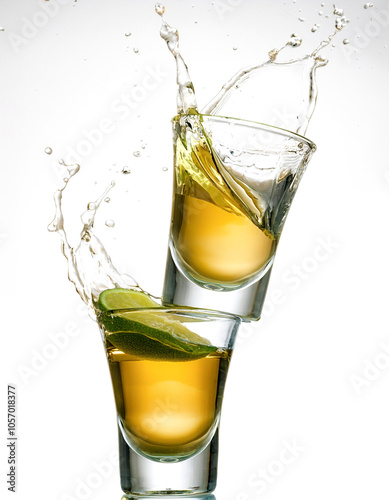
252 123
189 311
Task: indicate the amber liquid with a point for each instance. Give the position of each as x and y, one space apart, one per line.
218 245
216 236
168 409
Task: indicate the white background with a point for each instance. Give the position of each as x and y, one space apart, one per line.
294 375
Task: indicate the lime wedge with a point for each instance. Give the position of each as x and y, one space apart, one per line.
148 334
123 298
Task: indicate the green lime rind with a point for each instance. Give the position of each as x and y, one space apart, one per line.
147 334
123 298
154 336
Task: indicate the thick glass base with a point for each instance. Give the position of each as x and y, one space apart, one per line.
141 477
245 302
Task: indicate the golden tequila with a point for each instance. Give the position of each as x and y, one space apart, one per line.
219 245
168 408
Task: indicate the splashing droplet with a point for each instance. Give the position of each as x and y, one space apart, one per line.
2 29
234 48
48 151
346 41
107 199
136 154
91 206
315 27
341 22
159 9
136 50
165 169
110 223
368 5
126 170
302 19
320 12
338 12
127 34
272 56
143 145
73 169
295 40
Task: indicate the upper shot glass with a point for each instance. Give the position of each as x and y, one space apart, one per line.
234 183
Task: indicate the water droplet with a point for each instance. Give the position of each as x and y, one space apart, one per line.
159 9
2 29
338 12
127 34
91 206
126 170
143 145
295 40
107 199
48 151
165 169
341 22
346 41
110 223
315 27
136 154
136 50
272 56
322 4
320 12
73 169
234 48
302 19
368 5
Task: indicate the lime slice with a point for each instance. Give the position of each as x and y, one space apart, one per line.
148 334
122 298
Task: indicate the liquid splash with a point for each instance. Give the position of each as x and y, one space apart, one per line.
186 99
90 268
304 100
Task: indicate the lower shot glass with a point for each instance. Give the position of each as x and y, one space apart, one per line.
168 369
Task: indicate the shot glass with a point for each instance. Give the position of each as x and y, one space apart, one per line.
234 183
168 369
